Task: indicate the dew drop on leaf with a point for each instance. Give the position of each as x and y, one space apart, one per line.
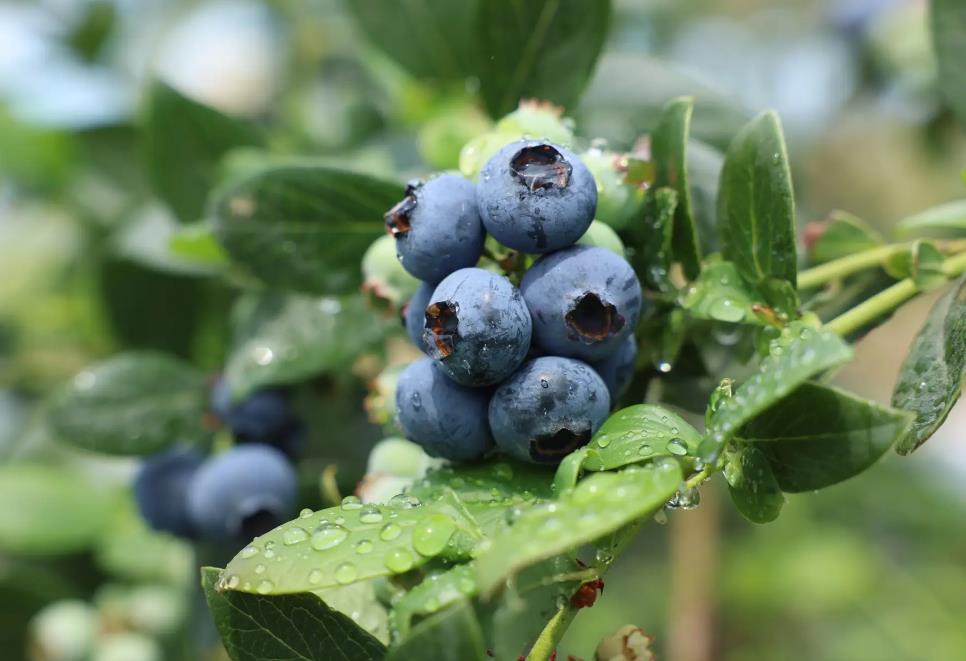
305 513
259 569
370 514
328 535
724 309
432 533
677 446
315 576
232 582
351 503
346 573
398 560
363 546
389 532
294 535
264 587
248 552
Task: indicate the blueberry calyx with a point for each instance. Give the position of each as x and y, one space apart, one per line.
442 327
551 448
593 319
541 167
397 218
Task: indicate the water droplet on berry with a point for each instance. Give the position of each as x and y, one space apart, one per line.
328 535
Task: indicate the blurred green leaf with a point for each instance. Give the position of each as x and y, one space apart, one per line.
341 545
796 356
669 144
437 591
640 433
756 206
933 374
452 634
360 602
652 235
287 338
131 404
949 218
842 234
431 39
545 50
196 243
49 510
923 262
303 227
818 436
598 505
752 484
184 142
35 157
130 550
504 481
297 627
948 23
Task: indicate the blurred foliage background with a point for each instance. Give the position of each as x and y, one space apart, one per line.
871 569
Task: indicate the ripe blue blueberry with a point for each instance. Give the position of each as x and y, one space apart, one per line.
477 326
160 489
265 416
536 197
617 369
549 407
448 420
584 302
242 493
414 314
437 227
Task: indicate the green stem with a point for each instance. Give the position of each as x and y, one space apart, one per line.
844 266
552 634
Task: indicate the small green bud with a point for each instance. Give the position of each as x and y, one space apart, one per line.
602 236
64 630
385 281
619 196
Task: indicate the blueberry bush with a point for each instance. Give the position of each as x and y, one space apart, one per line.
589 337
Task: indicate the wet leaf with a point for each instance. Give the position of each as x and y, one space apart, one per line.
287 338
640 433
818 436
669 143
948 23
756 206
933 374
303 227
359 601
651 239
260 628
499 482
797 355
452 634
720 294
435 592
49 510
196 244
184 142
131 404
353 542
842 234
752 484
543 50
599 505
923 262
945 219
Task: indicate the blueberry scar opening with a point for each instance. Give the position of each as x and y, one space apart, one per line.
551 448
541 167
594 319
442 328
257 523
397 218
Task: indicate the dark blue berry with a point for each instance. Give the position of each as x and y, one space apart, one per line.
437 227
414 314
160 489
617 369
536 197
265 416
448 420
242 493
584 301
550 407
477 326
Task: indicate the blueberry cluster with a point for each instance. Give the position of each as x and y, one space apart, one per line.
532 369
234 495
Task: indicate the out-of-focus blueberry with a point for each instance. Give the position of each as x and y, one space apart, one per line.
160 489
448 420
477 327
415 314
549 407
584 302
617 369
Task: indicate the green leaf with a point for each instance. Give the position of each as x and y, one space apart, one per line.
818 436
797 355
599 505
196 243
298 627
923 263
720 294
842 234
752 484
452 634
128 549
360 601
933 374
303 227
504 482
948 23
184 142
945 219
131 404
544 50
756 206
653 253
287 338
435 592
342 545
431 39
49 510
669 143
639 433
